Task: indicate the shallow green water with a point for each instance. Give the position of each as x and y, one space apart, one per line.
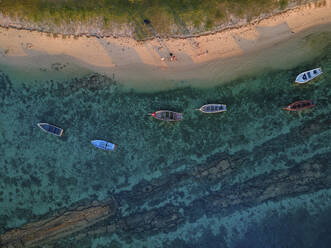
41 174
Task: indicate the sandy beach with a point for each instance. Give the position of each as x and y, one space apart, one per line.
218 56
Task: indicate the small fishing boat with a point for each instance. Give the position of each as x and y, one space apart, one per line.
307 76
48 128
104 145
166 115
213 108
300 105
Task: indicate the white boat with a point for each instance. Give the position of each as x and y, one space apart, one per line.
213 108
306 76
104 145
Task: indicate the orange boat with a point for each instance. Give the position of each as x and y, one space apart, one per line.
300 105
166 115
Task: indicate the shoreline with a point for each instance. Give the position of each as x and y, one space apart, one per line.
7 22
216 57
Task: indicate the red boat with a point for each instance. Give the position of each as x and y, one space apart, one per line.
300 105
166 115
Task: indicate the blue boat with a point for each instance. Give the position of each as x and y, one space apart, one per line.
48 128
104 145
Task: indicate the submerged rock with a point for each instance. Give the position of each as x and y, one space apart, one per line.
300 179
55 228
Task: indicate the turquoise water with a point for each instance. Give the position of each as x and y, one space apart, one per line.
225 177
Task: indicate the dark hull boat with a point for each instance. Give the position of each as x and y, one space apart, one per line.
213 108
48 128
166 115
300 105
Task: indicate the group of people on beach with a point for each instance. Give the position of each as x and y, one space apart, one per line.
172 57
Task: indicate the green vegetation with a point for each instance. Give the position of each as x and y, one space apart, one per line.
166 16
283 4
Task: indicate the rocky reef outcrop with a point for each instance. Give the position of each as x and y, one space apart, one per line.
47 230
105 217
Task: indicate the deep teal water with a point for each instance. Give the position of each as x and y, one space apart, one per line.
41 174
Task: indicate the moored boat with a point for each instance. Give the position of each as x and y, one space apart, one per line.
307 76
48 128
300 105
213 108
166 115
104 145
